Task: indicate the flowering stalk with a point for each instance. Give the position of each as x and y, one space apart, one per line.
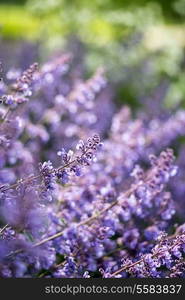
20 91
158 252
82 160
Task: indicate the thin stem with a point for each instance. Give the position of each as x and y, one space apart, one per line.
126 267
90 219
85 222
5 115
2 229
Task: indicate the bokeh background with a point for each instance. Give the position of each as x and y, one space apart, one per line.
141 43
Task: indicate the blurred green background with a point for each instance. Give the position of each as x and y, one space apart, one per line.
141 43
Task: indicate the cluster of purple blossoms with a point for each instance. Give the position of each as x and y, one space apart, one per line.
71 164
21 90
71 208
167 254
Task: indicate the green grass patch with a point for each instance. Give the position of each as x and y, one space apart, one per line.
17 23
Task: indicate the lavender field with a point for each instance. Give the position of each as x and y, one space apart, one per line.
92 164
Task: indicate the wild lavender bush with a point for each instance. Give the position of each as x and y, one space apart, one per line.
87 190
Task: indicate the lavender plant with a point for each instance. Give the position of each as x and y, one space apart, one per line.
72 206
